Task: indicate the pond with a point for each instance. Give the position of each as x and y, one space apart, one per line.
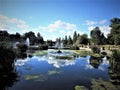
42 72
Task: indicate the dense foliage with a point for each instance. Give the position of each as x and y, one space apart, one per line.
97 36
114 36
95 49
74 47
5 36
115 55
7 57
22 47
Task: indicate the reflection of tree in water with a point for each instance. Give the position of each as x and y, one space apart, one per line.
8 74
7 79
114 72
95 61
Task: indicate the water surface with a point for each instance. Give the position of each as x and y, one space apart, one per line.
47 73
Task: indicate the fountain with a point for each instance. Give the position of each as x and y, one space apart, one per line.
59 45
60 54
27 42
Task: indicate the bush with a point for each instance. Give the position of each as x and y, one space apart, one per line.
43 47
103 53
22 47
7 57
115 55
95 49
6 44
74 48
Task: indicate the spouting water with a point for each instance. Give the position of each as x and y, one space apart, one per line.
28 42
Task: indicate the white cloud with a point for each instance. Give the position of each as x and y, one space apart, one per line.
3 17
13 25
89 23
52 31
101 24
57 29
103 21
62 25
105 29
62 31
91 28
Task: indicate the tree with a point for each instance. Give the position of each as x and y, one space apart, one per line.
103 39
70 41
38 35
31 36
115 31
4 36
117 39
18 36
40 39
65 41
74 37
97 36
82 39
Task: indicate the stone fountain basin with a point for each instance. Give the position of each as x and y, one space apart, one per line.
62 55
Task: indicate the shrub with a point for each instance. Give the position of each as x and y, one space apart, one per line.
22 47
43 47
95 49
74 48
115 55
7 57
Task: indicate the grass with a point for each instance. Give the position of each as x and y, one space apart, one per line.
84 53
77 87
99 84
102 85
29 77
43 52
53 72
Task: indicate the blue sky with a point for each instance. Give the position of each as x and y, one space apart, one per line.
57 18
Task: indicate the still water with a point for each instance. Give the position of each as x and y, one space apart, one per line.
47 73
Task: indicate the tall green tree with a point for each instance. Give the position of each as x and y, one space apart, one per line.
97 36
40 39
74 37
82 39
114 35
31 36
70 41
4 36
65 41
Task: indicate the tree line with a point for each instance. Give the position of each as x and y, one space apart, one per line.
96 36
5 36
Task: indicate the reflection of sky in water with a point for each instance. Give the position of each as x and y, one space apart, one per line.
58 73
55 62
84 61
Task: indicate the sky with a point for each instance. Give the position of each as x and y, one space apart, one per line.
57 18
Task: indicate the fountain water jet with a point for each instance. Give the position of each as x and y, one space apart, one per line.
60 54
27 42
